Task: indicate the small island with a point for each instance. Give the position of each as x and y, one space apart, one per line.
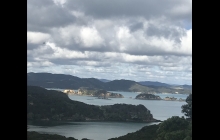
172 99
99 93
146 96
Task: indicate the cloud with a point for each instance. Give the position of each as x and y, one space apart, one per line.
134 27
59 2
186 42
44 14
128 8
37 37
140 40
39 64
90 37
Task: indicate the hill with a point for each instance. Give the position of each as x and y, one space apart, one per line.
104 80
150 83
38 136
174 128
45 105
48 80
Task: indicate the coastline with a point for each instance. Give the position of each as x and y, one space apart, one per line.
69 122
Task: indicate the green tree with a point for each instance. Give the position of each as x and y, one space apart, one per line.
174 128
187 108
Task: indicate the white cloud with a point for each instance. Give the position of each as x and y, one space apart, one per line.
59 2
39 64
183 8
67 35
61 53
37 37
90 37
186 42
78 14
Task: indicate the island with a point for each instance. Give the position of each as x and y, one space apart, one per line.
99 93
51 105
146 96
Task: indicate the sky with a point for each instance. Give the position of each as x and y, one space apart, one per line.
139 40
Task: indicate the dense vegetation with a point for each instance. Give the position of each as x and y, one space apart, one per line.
48 80
98 92
145 133
121 112
187 108
38 136
174 128
147 97
53 105
56 105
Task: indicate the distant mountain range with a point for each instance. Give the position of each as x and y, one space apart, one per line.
104 80
48 80
149 83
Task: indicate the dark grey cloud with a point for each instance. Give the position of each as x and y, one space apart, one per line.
122 8
30 58
103 9
40 3
46 14
136 26
166 32
32 46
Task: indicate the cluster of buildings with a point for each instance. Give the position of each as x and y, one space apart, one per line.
172 99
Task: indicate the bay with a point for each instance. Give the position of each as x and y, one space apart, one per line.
160 109
91 130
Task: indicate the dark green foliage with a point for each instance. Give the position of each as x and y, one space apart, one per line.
146 133
174 128
122 112
187 108
172 124
148 97
38 136
53 105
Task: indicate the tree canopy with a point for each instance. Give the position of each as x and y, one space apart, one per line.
187 108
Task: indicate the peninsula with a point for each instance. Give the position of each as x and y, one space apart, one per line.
100 93
146 96
51 105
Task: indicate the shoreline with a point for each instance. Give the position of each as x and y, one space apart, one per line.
59 89
69 122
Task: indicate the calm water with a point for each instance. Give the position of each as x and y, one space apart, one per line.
161 110
104 130
91 130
